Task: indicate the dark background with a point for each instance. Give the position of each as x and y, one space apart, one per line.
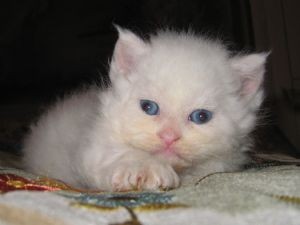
49 47
46 44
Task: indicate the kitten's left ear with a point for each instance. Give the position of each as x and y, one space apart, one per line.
250 69
128 51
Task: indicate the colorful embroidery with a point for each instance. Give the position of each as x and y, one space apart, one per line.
18 180
12 182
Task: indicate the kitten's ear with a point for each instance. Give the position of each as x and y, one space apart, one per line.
129 49
250 69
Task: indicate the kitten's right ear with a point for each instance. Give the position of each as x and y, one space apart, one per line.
128 51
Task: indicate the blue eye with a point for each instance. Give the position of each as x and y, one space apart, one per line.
200 116
149 107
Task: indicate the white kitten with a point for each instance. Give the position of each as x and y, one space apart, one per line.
178 105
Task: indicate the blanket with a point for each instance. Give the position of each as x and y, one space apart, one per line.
264 194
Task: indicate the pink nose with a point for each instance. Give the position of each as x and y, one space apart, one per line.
169 136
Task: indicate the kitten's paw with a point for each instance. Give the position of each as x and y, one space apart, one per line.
152 176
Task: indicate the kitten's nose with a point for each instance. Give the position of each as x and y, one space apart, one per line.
169 136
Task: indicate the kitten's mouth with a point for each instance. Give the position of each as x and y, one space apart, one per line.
172 156
168 152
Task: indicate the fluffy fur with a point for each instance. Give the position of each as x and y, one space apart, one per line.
103 140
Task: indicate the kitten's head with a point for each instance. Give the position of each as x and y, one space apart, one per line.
181 97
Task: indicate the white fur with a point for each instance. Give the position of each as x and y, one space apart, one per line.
103 140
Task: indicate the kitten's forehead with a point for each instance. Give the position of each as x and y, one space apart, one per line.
178 94
185 69
186 57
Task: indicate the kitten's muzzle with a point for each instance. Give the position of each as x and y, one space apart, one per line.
169 136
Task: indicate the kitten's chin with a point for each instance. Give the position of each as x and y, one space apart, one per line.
173 158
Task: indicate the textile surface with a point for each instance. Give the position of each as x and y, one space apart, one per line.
266 194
